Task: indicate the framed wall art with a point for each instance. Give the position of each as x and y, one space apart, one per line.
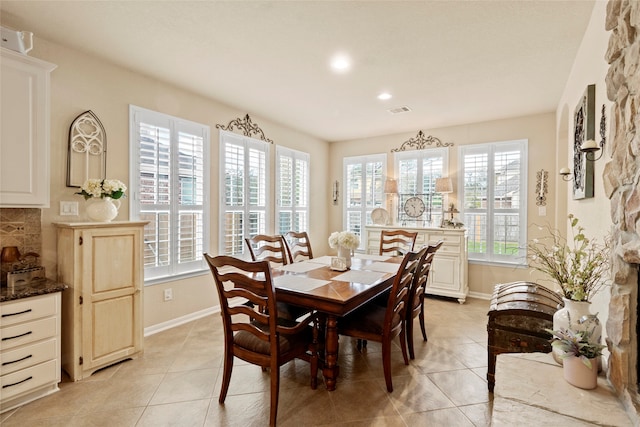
584 128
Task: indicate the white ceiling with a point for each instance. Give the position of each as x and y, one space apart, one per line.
451 62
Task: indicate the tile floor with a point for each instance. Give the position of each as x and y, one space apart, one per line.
177 383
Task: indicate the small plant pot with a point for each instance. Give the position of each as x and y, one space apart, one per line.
580 375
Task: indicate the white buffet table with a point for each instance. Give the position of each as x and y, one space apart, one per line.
449 272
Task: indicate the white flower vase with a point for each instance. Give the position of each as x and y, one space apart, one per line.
578 374
103 210
576 316
344 252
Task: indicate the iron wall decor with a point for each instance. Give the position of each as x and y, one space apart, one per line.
584 120
542 178
247 127
87 151
420 142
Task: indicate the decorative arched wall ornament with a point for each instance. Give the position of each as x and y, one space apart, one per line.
87 152
247 127
420 142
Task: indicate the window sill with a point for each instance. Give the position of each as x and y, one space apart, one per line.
498 264
165 279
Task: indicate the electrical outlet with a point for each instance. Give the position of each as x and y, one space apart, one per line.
168 294
68 208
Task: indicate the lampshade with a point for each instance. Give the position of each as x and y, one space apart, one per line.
390 186
444 185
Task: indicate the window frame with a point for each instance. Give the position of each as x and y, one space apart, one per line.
176 125
364 210
420 156
295 207
247 143
490 149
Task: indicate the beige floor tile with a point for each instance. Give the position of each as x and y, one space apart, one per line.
191 413
479 415
462 387
417 393
185 386
127 417
242 410
434 358
395 421
362 400
124 393
179 376
441 417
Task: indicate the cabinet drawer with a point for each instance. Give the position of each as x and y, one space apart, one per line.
447 238
26 380
26 356
29 332
27 309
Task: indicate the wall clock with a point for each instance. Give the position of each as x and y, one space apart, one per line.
414 207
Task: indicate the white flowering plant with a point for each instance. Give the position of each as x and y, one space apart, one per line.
580 269
345 239
102 188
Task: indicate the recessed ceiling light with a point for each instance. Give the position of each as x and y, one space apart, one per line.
384 96
341 63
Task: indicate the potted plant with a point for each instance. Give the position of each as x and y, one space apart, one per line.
579 266
580 357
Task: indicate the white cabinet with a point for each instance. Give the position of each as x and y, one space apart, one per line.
24 130
448 276
30 353
102 309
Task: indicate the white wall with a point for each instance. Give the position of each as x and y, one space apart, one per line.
83 82
538 129
589 67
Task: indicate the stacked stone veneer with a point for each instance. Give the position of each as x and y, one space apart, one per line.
622 187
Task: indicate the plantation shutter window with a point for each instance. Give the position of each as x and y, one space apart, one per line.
169 181
363 191
292 189
244 189
494 208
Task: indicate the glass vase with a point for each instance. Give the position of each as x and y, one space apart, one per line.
345 253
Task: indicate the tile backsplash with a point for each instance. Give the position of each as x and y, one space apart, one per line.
21 227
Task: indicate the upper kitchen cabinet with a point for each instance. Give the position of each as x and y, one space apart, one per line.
24 130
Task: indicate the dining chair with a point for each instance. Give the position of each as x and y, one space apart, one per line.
298 246
273 249
397 242
416 296
267 248
373 322
251 333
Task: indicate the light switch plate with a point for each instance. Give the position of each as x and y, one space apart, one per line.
68 208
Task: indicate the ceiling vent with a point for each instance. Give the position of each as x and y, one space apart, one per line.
399 110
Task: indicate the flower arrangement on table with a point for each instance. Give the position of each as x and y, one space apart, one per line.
579 269
576 344
101 188
346 239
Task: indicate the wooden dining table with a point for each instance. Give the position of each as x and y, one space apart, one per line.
312 284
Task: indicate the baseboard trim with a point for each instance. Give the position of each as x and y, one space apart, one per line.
480 295
154 329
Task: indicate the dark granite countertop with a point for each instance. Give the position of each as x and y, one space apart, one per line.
36 287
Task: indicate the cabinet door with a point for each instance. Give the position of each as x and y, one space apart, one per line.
112 322
24 131
445 273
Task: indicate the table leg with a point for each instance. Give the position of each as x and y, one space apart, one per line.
331 369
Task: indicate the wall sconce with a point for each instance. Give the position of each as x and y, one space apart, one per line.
336 192
590 147
565 173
